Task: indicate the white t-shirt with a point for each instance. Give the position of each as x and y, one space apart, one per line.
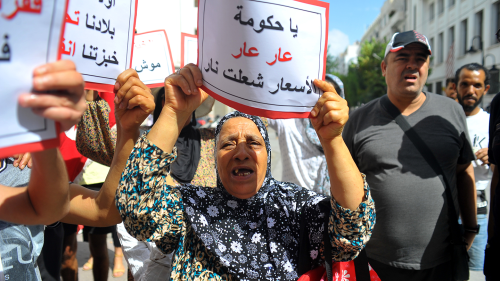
300 158
478 126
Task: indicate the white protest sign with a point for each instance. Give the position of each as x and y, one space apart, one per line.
189 49
30 32
152 57
261 57
98 37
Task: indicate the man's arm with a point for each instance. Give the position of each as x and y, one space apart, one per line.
94 208
466 190
45 199
98 208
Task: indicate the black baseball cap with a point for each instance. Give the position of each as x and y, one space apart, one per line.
400 40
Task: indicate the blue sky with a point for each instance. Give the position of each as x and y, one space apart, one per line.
349 20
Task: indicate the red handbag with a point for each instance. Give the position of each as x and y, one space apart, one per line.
341 271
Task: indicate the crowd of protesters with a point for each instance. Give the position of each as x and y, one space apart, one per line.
401 183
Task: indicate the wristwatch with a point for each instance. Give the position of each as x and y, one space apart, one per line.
472 229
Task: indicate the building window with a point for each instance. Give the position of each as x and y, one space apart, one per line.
431 11
431 42
440 7
463 37
495 22
406 5
451 40
415 17
478 30
452 3
429 87
439 87
440 50
196 3
451 36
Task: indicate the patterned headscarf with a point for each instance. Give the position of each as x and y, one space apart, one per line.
263 131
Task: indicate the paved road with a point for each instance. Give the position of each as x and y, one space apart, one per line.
83 255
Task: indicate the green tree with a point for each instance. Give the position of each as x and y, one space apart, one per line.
364 80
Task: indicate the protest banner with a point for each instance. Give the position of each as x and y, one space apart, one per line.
261 57
98 38
152 57
30 32
189 49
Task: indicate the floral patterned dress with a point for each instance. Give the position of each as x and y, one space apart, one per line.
215 236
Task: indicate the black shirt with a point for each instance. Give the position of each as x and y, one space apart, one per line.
494 155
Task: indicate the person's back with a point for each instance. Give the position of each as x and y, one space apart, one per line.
302 156
299 156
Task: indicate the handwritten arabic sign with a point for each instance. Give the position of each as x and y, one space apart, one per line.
152 57
189 49
98 37
261 57
24 24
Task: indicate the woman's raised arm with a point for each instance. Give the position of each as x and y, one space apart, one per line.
182 97
328 118
98 208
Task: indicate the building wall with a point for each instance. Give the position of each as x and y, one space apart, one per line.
392 18
349 56
461 23
445 22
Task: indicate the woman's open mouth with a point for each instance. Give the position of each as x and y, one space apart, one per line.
242 172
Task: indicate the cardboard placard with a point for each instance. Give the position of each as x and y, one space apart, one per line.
30 32
98 37
261 57
152 57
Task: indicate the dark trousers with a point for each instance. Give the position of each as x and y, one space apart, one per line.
50 259
386 272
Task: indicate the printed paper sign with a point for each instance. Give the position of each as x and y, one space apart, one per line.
30 32
189 49
261 57
152 58
98 37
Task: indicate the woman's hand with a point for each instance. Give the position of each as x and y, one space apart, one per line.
133 101
182 92
58 93
330 113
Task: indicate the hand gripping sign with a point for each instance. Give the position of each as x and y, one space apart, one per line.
152 58
189 49
261 57
30 32
98 38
